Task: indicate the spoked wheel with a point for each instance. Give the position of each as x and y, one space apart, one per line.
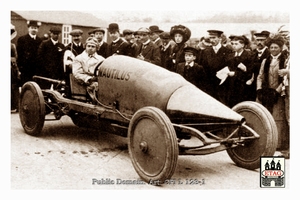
153 145
32 108
261 121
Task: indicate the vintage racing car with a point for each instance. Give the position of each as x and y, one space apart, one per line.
159 111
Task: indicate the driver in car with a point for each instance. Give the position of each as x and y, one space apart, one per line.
84 66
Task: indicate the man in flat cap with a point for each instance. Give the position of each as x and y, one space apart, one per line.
148 51
118 46
84 66
50 56
213 59
190 70
99 33
27 48
166 51
154 35
74 48
130 38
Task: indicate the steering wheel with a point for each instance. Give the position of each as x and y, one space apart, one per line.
96 68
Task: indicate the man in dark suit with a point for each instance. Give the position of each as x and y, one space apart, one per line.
214 59
27 47
166 51
240 66
154 35
99 33
261 52
118 46
190 70
148 51
50 56
74 48
130 38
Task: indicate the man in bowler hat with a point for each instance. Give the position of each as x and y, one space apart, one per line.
154 35
27 48
118 46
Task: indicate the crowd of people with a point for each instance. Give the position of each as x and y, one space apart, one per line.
252 70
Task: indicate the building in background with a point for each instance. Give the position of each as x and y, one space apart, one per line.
67 20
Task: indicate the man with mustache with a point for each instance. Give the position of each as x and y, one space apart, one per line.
261 52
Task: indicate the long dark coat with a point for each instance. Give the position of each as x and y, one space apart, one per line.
256 63
212 63
151 53
195 75
27 49
236 89
119 47
51 60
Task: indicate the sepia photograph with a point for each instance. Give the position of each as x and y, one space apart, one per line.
136 97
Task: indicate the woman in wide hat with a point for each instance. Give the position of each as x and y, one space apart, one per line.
180 34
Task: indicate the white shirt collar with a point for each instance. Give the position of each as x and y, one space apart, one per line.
276 57
239 54
54 42
262 50
77 44
116 40
156 40
217 47
191 64
32 36
147 42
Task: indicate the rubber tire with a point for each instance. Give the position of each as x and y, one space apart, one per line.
32 108
260 120
158 163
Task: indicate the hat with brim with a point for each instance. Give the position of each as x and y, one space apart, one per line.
113 27
97 30
206 41
33 23
55 29
128 32
264 34
76 32
278 39
215 32
184 31
164 35
143 30
155 29
190 49
241 38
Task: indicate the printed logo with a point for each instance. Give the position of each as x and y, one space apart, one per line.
272 172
